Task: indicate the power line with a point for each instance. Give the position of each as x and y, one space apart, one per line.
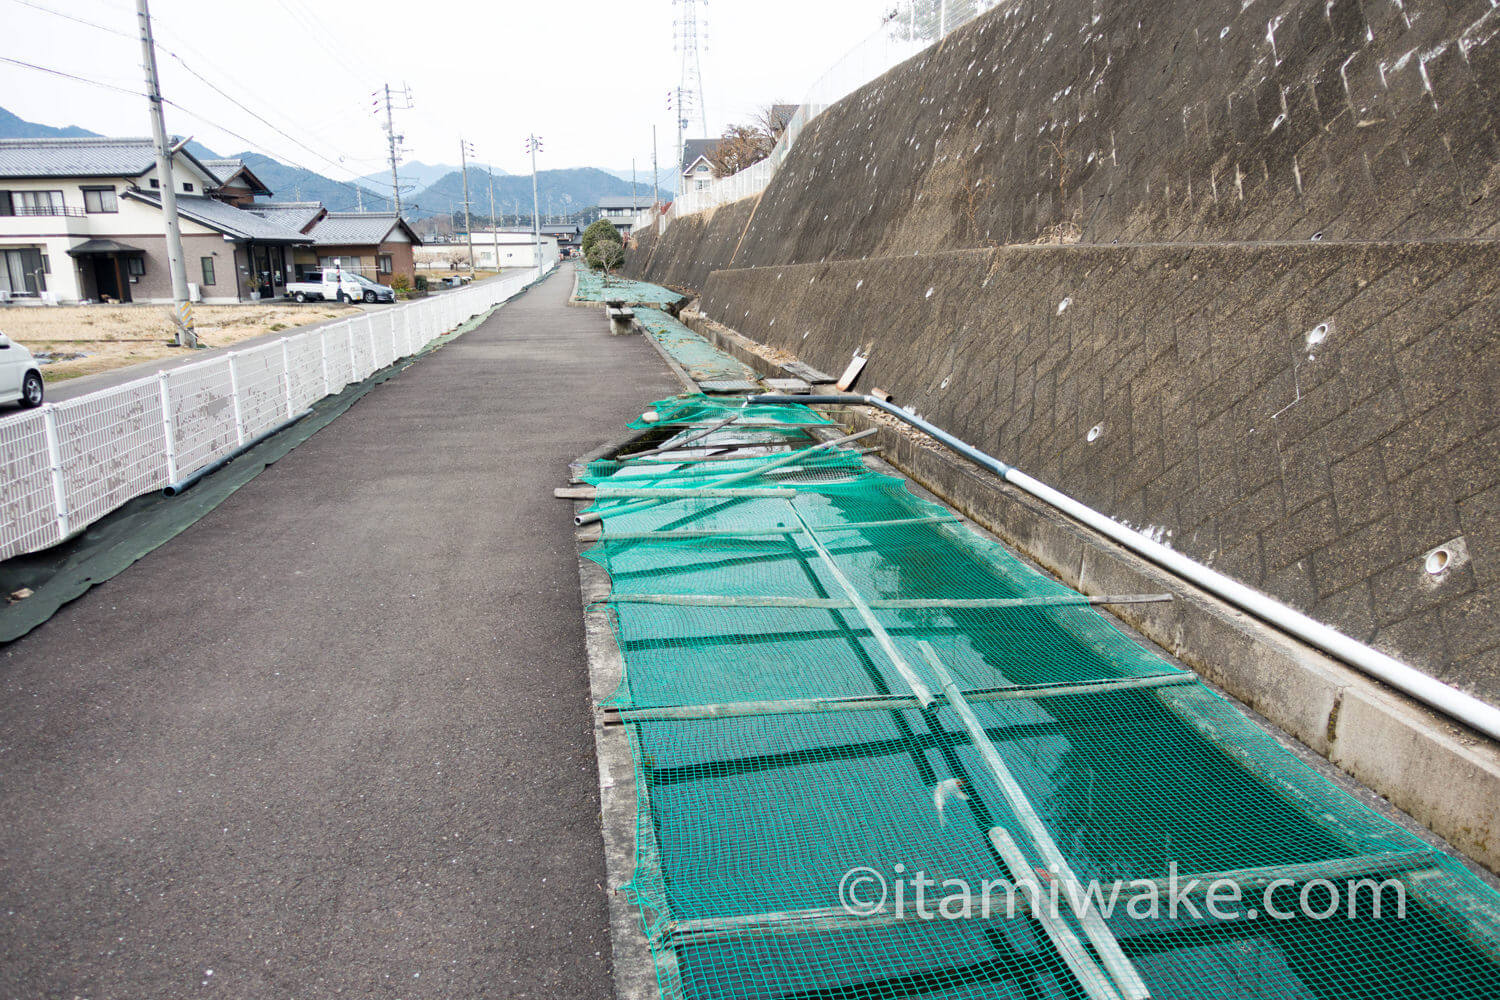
72 76
336 164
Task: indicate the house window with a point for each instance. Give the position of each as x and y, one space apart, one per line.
37 202
135 265
383 263
23 272
98 200
7 206
187 187
155 183
208 270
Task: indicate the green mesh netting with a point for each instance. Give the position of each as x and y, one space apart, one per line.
779 746
593 288
701 360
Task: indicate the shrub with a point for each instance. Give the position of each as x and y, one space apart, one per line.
421 283
401 285
602 229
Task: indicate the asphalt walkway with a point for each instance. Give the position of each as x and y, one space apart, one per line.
335 738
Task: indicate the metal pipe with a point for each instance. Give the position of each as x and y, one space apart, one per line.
1106 946
775 463
187 482
1430 691
674 445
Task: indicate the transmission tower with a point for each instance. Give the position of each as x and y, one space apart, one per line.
686 31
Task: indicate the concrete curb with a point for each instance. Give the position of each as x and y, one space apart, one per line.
1444 775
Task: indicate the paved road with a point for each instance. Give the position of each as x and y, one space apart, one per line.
335 738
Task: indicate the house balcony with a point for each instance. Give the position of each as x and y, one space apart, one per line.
36 223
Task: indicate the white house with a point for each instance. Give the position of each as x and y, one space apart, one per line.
80 221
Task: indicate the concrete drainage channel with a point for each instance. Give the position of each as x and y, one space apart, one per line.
804 670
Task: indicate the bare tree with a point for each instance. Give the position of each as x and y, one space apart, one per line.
743 145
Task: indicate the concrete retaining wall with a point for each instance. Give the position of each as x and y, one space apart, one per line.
1254 243
1313 418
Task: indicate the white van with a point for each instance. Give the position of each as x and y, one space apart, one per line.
332 286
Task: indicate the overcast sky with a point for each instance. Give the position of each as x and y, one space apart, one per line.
590 77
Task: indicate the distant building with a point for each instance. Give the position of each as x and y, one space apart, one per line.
622 212
493 249
80 221
697 170
567 235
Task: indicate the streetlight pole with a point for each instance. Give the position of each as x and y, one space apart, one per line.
182 309
655 182
534 144
463 159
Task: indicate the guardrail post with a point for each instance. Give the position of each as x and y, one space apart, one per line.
54 462
234 394
168 430
323 348
354 375
286 375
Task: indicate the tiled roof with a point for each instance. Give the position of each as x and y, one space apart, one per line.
95 157
626 203
296 215
358 228
231 221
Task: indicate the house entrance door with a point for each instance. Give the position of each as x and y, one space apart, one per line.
109 277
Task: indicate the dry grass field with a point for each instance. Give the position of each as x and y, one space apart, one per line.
116 336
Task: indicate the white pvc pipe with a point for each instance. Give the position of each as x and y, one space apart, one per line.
1429 690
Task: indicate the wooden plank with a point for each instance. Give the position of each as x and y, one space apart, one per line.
807 372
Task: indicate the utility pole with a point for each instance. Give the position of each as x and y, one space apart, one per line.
394 141
494 230
533 145
463 159
182 309
655 185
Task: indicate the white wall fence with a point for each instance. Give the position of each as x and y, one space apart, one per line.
65 465
913 26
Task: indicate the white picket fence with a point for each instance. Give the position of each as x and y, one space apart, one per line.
65 465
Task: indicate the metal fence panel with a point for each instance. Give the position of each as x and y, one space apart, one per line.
340 361
28 504
202 404
260 379
113 446
305 370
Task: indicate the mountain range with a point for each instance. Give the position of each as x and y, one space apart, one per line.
439 186
416 175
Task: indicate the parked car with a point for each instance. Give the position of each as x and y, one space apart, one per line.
331 286
374 291
20 378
